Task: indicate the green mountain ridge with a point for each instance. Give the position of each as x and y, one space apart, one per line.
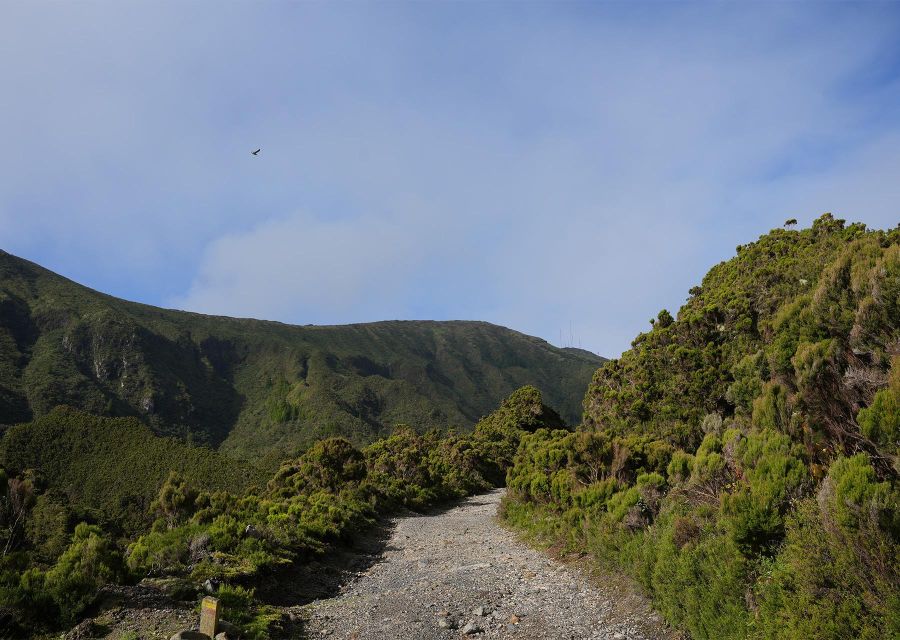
257 388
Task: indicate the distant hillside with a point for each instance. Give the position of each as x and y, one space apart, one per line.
258 388
110 469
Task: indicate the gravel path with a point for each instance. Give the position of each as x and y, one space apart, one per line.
459 573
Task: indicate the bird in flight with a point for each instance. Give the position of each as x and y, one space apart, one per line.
255 153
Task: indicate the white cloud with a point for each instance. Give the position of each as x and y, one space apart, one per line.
308 268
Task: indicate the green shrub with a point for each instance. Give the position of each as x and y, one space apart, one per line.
680 467
828 581
48 528
328 465
497 436
176 500
772 475
700 586
594 497
749 375
89 563
852 496
880 422
770 409
161 551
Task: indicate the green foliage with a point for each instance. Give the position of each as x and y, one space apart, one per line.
417 470
254 619
700 586
734 484
771 475
48 527
88 564
328 465
681 467
162 550
852 496
749 375
837 573
176 500
770 408
880 422
112 468
497 435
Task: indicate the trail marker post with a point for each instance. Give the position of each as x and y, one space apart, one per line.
209 616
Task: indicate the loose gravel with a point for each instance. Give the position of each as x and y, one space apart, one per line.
460 574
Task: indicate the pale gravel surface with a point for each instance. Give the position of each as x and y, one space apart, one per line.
444 567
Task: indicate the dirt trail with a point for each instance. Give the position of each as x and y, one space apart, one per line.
460 574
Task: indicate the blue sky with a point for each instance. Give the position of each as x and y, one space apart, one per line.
539 166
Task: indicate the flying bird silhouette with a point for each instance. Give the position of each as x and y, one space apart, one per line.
255 153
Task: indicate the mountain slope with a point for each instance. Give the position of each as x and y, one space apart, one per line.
254 387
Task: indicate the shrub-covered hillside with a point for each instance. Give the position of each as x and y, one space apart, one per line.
62 538
255 388
110 469
741 460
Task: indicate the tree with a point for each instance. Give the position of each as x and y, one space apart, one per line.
16 499
89 563
176 500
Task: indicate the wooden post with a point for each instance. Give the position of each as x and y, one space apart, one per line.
209 616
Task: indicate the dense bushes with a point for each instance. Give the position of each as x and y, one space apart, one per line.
880 422
66 588
741 460
837 572
729 540
88 563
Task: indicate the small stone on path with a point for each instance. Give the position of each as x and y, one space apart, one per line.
470 629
